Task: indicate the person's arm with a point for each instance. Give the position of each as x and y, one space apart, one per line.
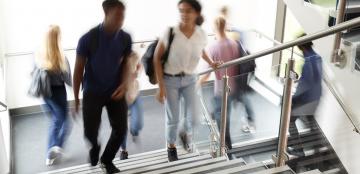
78 78
67 77
125 73
206 57
159 52
305 82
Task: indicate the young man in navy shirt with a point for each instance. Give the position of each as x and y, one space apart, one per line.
102 53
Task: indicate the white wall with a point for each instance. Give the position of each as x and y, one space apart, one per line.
4 116
26 20
331 117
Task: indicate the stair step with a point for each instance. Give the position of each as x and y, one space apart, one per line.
167 164
141 163
254 167
214 167
133 159
317 171
332 171
282 170
188 166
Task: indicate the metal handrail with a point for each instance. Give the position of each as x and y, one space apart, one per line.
73 49
326 32
329 85
273 40
3 105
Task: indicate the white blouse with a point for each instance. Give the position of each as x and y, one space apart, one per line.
185 52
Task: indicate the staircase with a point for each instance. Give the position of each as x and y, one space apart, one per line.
198 162
319 155
319 158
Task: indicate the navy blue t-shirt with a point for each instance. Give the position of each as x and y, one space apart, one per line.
103 68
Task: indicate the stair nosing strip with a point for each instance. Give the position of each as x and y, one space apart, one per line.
216 165
177 168
162 165
160 159
240 168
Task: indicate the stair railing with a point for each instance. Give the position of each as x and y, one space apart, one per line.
286 109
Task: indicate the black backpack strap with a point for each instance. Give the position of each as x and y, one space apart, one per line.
167 51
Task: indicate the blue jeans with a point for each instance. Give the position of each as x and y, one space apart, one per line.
59 126
136 119
175 88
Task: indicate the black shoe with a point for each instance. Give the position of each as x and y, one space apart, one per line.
124 155
109 168
295 152
94 155
172 154
185 141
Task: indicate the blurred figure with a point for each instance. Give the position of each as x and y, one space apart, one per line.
104 52
223 50
134 102
52 59
307 96
178 77
246 70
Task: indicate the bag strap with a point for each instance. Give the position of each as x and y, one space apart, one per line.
171 38
242 51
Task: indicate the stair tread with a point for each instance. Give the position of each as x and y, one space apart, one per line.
207 169
188 166
133 159
317 171
241 168
167 164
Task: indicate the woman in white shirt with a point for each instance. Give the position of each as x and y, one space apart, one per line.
178 77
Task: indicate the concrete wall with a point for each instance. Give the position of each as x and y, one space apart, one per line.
331 117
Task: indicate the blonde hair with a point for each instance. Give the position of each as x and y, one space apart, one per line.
51 56
220 24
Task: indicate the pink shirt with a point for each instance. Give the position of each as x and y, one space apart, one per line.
224 50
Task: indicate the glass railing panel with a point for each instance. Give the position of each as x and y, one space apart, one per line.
254 119
254 108
308 145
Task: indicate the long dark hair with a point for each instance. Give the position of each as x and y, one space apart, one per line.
197 7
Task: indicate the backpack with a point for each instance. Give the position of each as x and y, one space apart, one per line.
148 58
40 85
246 67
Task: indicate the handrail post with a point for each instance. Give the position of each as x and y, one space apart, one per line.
340 13
285 115
224 106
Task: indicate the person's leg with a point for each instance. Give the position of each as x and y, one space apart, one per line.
92 108
117 113
58 111
172 115
296 147
172 110
123 152
137 117
249 127
191 103
65 129
54 126
228 141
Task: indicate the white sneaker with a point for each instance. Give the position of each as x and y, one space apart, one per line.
248 129
53 154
